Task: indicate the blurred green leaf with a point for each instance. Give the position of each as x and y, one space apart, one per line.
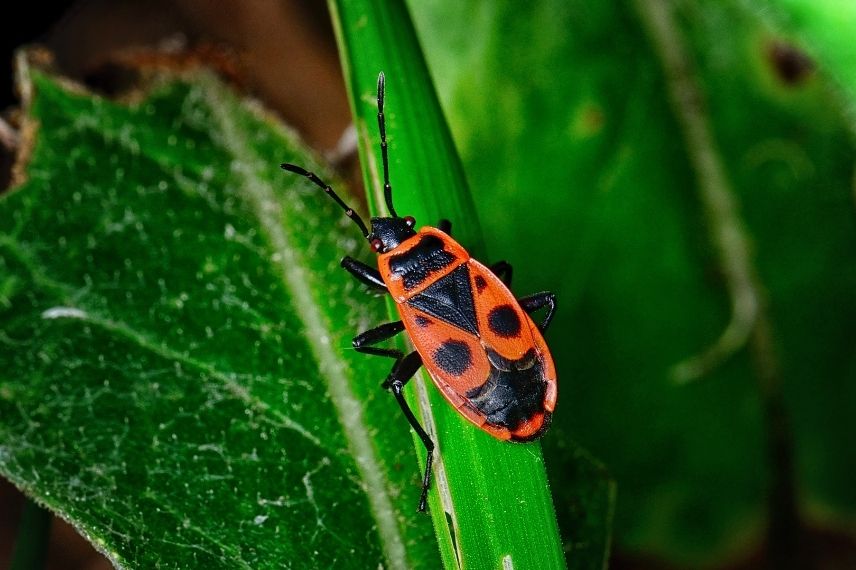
175 377
583 181
823 27
585 494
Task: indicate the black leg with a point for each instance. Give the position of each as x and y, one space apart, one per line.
503 270
445 226
534 302
402 372
368 275
383 332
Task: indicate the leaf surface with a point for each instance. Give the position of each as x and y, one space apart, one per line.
176 378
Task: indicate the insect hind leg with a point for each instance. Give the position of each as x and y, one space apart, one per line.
402 371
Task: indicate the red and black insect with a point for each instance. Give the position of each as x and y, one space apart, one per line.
477 341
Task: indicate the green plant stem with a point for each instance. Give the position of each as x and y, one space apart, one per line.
31 547
489 502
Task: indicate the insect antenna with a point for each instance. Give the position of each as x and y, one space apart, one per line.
318 182
387 188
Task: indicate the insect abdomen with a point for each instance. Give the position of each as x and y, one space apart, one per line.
513 392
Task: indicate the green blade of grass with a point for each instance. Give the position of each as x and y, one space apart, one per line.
490 502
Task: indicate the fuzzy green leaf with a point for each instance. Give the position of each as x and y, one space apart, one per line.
175 373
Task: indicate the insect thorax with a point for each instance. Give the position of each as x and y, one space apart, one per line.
420 261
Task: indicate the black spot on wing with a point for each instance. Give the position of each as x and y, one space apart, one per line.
421 321
416 264
453 357
450 299
513 392
480 283
503 321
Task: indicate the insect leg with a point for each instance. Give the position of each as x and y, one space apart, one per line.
383 332
534 302
445 226
503 270
365 274
402 372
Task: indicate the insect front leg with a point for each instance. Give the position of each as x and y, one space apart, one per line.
365 274
534 302
402 371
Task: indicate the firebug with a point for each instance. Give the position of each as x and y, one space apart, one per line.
482 349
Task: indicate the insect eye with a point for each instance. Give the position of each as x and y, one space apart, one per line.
377 245
410 221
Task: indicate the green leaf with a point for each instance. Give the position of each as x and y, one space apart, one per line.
490 504
175 377
584 492
585 182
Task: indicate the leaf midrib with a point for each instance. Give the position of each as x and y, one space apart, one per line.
250 169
